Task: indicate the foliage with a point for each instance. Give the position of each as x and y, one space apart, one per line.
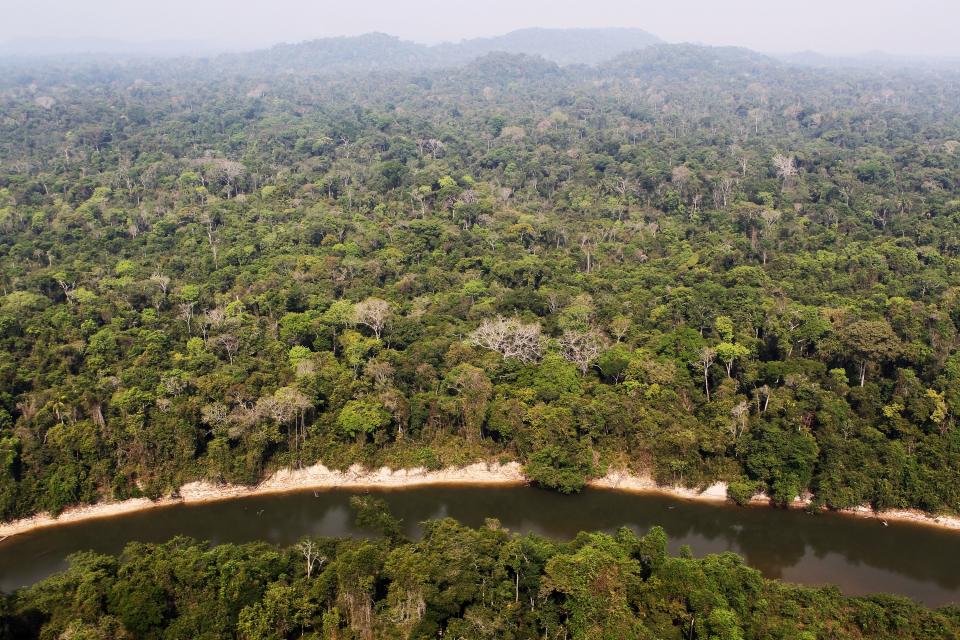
454 582
697 262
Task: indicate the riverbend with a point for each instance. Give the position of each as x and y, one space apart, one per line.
859 555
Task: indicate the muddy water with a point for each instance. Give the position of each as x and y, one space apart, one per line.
858 555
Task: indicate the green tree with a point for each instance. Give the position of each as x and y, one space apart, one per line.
362 417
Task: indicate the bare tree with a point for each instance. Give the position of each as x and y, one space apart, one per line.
430 145
287 405
210 223
215 415
510 338
173 385
222 171
161 281
186 313
311 554
381 372
555 300
785 166
69 290
695 202
418 196
277 407
723 191
230 344
396 403
373 313
624 188
763 393
582 347
705 360
213 319
770 217
591 240
739 414
242 418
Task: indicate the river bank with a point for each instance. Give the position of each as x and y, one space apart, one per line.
626 481
283 481
319 477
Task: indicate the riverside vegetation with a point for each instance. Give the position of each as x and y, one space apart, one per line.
699 263
456 582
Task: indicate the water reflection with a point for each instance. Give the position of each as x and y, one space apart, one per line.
859 556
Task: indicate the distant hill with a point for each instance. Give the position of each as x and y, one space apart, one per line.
872 59
501 68
368 52
379 51
372 52
563 46
688 60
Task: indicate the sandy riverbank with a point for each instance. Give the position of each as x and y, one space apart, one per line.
356 477
625 481
632 483
286 480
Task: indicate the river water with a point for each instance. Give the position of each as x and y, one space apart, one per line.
860 556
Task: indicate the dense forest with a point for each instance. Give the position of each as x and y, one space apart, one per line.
455 582
700 263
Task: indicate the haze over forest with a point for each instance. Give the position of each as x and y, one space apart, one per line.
924 28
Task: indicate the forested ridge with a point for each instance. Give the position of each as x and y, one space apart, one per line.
696 262
455 582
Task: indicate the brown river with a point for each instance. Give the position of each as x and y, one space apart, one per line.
860 556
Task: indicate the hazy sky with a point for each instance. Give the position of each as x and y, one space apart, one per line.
930 27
